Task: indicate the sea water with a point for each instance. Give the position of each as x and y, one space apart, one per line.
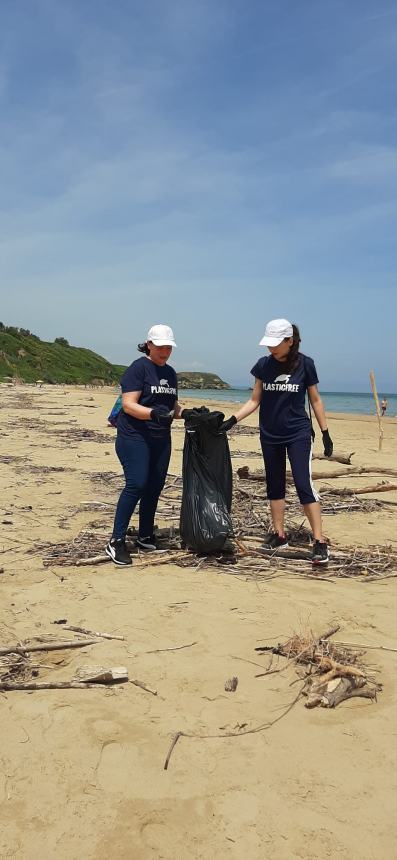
334 401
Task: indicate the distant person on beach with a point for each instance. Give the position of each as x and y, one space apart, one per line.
281 382
143 445
384 406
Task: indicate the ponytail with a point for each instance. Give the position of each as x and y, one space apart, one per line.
143 347
293 355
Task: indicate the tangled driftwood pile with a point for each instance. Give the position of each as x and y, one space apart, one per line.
245 554
332 672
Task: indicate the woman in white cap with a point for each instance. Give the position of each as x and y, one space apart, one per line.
143 445
281 382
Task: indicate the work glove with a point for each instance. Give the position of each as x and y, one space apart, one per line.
328 443
228 424
162 416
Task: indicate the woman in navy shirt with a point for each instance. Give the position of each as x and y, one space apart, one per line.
281 382
143 445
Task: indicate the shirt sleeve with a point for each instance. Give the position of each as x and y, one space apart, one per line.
133 378
311 377
257 370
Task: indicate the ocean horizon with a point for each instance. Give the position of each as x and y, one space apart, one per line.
357 403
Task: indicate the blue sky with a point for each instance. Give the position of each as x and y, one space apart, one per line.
210 164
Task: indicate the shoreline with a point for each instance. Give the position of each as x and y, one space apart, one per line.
227 406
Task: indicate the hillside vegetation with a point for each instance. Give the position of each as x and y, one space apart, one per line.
26 358
200 380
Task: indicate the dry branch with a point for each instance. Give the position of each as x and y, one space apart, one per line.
93 633
25 648
338 458
96 559
374 488
53 685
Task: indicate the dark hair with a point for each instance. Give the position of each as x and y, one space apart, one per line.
293 356
143 347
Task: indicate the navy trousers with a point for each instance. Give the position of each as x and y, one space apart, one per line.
300 457
145 461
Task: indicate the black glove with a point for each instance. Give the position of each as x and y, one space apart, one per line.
161 415
228 424
328 443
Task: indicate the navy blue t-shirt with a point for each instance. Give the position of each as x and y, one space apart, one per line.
282 414
159 387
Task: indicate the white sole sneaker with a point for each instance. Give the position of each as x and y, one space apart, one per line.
110 551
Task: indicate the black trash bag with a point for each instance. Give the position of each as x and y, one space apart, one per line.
205 521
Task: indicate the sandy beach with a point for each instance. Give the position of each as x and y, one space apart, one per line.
82 770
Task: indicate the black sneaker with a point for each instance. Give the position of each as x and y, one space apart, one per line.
117 551
320 554
148 544
275 541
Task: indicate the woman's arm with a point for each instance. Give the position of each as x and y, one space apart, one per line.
132 407
178 409
318 407
249 407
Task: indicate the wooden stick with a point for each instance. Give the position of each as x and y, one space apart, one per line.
174 741
47 646
245 474
378 412
338 458
375 488
143 687
177 648
49 685
95 559
93 633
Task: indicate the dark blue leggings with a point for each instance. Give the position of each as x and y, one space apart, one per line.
300 457
145 461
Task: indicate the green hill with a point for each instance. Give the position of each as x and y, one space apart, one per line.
200 380
24 357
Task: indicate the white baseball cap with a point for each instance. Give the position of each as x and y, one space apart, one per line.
161 335
275 332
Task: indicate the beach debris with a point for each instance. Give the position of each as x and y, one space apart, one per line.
19 672
95 559
377 406
333 672
337 458
383 487
28 647
143 686
231 684
101 675
244 555
245 474
93 633
52 685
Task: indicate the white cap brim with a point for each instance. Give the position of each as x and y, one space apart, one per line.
271 341
163 342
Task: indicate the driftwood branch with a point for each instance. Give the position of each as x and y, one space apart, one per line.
143 686
93 633
338 458
47 646
374 488
95 559
50 685
177 648
330 693
245 474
